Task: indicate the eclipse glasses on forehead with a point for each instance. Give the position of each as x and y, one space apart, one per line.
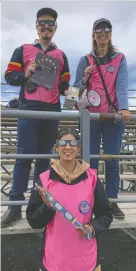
104 29
66 142
46 22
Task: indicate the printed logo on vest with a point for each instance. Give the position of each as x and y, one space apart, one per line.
110 68
84 207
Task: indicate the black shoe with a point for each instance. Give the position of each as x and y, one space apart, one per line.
9 218
116 212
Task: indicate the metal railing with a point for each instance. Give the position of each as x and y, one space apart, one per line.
84 117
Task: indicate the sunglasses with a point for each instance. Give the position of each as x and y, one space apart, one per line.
48 22
99 30
70 142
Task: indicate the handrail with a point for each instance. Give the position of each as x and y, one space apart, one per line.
61 115
40 114
49 156
25 202
84 117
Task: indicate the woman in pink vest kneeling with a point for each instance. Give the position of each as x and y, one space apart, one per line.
102 77
70 203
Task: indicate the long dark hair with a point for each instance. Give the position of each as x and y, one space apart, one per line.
111 47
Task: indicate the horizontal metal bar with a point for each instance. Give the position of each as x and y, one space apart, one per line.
110 156
124 200
14 136
49 156
25 202
4 92
128 163
60 115
4 101
110 116
129 129
4 83
14 203
105 116
28 156
39 114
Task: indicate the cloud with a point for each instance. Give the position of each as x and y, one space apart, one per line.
74 31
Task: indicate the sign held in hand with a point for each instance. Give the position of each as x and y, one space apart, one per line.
46 71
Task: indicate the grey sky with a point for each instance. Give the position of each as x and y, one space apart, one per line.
74 26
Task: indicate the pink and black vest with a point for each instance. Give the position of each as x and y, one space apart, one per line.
42 94
109 72
64 248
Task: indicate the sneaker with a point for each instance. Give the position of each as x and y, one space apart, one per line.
116 212
9 218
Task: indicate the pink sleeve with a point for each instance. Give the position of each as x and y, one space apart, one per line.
92 173
44 177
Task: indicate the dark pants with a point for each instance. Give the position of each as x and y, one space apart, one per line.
35 136
112 140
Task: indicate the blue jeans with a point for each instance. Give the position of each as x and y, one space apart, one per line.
112 140
35 136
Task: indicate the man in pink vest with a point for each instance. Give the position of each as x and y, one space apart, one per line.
35 135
